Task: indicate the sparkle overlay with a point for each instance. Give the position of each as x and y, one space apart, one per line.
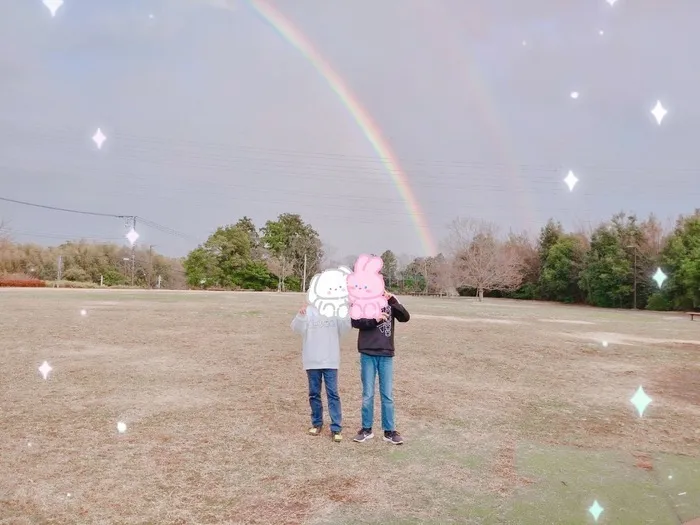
99 138
121 427
659 277
132 236
571 180
596 510
574 94
53 6
641 401
44 369
659 112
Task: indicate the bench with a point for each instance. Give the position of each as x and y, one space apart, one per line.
692 315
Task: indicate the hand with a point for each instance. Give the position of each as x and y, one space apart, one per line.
388 295
382 317
302 310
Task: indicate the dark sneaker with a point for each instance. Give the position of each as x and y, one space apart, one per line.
393 437
337 437
363 435
315 431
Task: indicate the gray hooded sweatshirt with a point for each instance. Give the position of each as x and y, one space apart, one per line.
320 338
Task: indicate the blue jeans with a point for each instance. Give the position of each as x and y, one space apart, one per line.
370 367
330 377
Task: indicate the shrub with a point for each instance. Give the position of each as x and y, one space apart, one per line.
527 291
658 303
112 277
21 283
76 275
72 284
17 277
292 284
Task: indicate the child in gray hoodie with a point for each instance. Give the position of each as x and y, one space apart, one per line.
321 359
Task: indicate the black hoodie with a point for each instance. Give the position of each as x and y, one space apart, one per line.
378 338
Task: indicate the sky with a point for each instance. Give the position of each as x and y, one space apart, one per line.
210 115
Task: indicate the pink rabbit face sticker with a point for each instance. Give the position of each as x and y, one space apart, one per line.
366 288
361 287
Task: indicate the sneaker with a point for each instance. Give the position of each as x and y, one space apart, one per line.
337 437
363 435
315 431
393 437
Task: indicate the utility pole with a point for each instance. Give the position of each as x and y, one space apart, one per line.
635 277
283 271
133 254
150 265
126 268
634 273
60 268
304 282
425 274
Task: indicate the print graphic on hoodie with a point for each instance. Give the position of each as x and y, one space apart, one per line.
385 327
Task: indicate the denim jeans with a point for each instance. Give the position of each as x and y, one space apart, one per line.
370 367
330 377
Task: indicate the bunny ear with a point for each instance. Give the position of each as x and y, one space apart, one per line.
374 265
345 270
361 262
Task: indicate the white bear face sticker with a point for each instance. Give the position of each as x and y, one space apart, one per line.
328 292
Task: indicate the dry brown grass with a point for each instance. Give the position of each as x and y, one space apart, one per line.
214 396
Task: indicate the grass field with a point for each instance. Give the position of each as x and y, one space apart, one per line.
512 412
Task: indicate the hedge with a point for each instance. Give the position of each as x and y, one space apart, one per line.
22 283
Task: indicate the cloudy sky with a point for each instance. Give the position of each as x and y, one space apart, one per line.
210 114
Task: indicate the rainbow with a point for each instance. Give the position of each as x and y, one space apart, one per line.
296 38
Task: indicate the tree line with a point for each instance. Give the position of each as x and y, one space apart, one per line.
83 262
284 254
611 265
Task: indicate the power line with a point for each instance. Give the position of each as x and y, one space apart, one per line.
147 143
324 201
142 220
139 183
305 170
24 203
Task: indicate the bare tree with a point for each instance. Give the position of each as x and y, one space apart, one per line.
5 243
653 237
330 259
527 253
4 231
281 267
440 276
306 256
348 260
480 260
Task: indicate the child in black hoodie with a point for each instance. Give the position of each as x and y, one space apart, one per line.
375 342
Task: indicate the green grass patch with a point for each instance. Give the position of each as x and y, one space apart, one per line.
567 481
679 479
